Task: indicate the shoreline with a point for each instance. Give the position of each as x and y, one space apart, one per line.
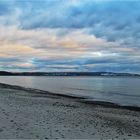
78 98
27 113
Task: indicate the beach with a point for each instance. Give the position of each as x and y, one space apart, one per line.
34 114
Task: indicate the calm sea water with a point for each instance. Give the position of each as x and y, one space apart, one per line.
121 90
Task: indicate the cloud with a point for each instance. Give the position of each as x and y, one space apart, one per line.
76 35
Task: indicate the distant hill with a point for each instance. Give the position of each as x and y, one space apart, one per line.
5 73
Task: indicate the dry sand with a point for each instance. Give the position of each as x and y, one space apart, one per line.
33 114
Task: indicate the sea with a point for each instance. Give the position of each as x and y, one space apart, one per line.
121 90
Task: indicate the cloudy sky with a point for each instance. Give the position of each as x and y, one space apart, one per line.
70 35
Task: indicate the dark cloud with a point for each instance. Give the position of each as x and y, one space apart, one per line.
115 14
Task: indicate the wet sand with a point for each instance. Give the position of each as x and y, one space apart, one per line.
34 114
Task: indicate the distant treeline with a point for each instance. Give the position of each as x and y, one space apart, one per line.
5 73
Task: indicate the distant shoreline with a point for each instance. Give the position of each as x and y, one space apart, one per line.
112 74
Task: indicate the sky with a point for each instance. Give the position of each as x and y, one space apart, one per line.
70 35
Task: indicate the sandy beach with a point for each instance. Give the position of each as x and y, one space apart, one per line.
33 114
